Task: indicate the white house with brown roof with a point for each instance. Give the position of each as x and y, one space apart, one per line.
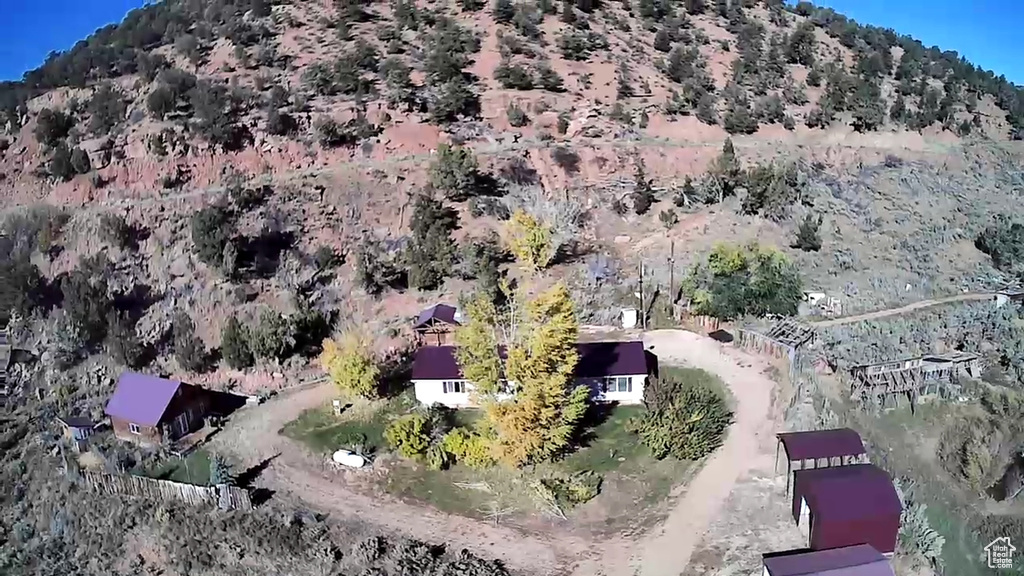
614 371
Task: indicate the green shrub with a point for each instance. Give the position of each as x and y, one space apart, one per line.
513 76
807 237
736 281
409 436
272 338
212 228
517 117
188 348
455 172
468 448
1003 241
114 230
684 419
52 127
234 345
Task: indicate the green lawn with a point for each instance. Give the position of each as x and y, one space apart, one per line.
361 424
194 469
633 482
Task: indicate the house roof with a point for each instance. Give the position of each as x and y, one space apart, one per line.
860 560
597 359
76 421
821 443
847 492
436 363
141 398
436 313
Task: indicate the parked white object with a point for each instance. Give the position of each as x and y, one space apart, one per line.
349 458
629 317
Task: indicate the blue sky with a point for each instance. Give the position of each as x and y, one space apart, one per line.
986 32
982 30
31 29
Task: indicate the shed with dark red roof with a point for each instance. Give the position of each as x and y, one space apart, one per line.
846 506
820 448
860 560
435 325
148 409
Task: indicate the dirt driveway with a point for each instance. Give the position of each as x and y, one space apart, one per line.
253 437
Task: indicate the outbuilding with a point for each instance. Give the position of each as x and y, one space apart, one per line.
814 449
860 560
436 325
845 506
150 410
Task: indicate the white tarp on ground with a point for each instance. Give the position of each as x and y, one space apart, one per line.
348 458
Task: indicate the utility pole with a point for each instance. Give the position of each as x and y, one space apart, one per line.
672 273
643 309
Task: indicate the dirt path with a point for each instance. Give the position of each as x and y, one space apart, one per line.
252 437
902 309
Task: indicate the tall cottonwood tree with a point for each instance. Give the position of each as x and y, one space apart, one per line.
539 421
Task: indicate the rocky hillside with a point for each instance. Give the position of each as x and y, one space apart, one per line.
232 155
181 90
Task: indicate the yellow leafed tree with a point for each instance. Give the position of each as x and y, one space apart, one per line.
530 241
477 346
350 364
539 421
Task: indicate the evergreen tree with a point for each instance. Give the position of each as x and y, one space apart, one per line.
807 237
662 40
643 193
431 252
188 348
738 117
220 472
504 11
234 345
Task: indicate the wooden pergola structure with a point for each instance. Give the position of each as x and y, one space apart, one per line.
781 340
924 376
815 449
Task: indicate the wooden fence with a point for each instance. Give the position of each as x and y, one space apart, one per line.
221 496
706 324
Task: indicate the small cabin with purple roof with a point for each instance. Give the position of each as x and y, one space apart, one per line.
435 325
614 372
150 410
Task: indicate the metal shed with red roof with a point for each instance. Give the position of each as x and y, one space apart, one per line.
820 449
848 505
859 560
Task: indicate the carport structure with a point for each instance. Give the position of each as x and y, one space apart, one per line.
846 506
860 560
819 449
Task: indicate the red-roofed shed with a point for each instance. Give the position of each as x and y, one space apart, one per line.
860 560
820 449
848 505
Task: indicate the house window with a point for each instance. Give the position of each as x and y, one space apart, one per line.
453 386
618 384
134 428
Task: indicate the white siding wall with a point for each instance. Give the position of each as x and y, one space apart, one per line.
431 391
